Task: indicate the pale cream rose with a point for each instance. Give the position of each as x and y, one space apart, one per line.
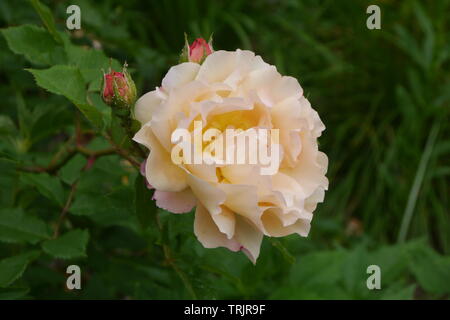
236 205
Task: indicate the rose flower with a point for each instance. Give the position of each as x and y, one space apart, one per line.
235 204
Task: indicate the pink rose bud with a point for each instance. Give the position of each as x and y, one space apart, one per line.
197 51
118 89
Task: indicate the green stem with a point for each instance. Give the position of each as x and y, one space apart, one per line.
59 161
171 261
127 123
418 180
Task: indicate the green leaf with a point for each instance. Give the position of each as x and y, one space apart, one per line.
309 272
68 246
283 250
62 80
85 204
48 118
91 113
47 185
68 81
431 270
391 261
12 268
25 117
72 169
16 226
354 272
91 63
399 292
35 44
6 125
47 18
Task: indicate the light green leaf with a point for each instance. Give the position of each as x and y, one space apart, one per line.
47 18
35 44
68 81
12 268
16 226
63 80
91 62
68 246
47 185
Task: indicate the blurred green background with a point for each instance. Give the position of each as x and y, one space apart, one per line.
384 96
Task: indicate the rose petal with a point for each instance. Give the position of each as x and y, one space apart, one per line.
249 237
272 219
225 221
209 234
160 171
175 202
146 105
179 75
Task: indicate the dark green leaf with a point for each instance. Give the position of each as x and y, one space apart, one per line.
145 206
12 268
13 293
16 226
47 18
47 185
431 270
68 246
283 250
72 170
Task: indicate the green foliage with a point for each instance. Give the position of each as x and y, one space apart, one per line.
68 82
12 268
17 227
35 44
63 80
431 270
70 191
47 186
47 18
68 246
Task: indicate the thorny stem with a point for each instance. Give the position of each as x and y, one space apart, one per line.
73 187
126 122
65 209
57 163
122 152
